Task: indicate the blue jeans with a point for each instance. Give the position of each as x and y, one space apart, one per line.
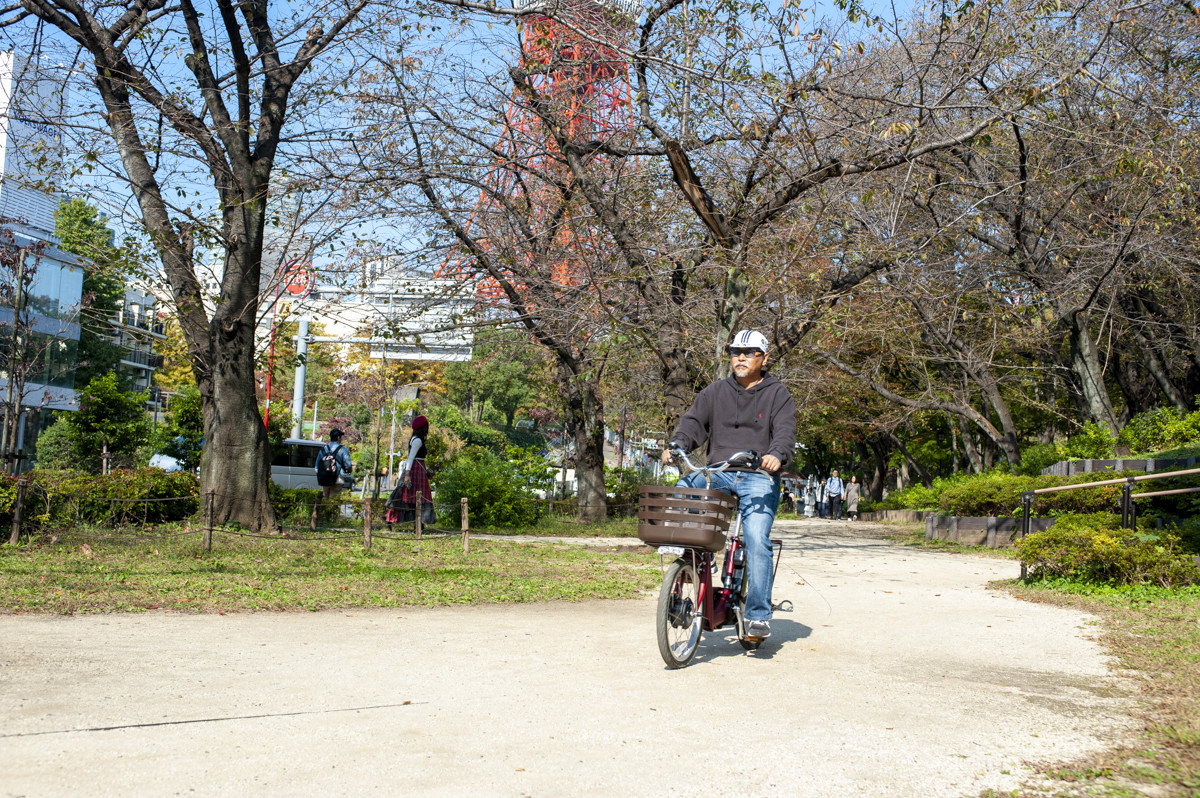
758 499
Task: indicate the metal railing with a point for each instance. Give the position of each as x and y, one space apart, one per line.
139 322
139 357
1128 509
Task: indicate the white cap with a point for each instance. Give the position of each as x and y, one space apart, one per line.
749 339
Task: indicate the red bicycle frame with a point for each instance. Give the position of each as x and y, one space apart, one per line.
715 602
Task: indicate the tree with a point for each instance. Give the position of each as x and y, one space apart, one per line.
110 425
56 450
217 87
705 206
182 433
83 233
501 372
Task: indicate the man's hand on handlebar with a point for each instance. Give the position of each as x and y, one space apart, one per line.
770 463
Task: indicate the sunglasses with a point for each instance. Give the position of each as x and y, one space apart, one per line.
737 351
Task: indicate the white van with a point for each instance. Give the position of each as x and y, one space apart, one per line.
295 464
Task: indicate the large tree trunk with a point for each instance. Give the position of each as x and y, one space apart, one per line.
972 451
584 419
878 456
235 464
1085 363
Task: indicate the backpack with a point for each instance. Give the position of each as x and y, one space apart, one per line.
328 468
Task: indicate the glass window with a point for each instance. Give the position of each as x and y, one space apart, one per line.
283 455
304 456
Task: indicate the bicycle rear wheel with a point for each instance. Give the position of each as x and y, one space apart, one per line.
679 617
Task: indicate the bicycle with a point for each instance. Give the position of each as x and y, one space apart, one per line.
690 524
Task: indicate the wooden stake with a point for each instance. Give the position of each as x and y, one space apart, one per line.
208 520
466 539
18 510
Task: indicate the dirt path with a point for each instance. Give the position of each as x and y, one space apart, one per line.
897 673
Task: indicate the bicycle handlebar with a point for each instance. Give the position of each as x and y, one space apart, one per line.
716 468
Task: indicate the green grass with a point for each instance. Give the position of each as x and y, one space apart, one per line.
562 526
1182 452
135 574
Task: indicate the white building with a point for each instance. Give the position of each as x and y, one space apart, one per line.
135 329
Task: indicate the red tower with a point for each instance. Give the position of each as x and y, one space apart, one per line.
573 56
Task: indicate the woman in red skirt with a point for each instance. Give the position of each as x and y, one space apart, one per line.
413 486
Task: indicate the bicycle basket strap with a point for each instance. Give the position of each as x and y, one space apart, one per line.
678 516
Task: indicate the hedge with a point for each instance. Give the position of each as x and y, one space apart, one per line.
999 494
1094 548
123 496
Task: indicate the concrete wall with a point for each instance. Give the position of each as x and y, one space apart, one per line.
897 516
996 533
1069 468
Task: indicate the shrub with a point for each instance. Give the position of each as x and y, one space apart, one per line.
449 417
919 496
1038 456
999 494
534 470
293 506
1093 548
144 495
1161 429
622 486
56 450
1092 442
496 494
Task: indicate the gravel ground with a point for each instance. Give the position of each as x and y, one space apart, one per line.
897 672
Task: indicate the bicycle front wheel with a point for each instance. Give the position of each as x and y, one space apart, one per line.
679 618
747 643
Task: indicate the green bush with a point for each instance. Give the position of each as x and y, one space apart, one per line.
1092 442
495 492
920 497
449 417
144 495
999 494
1178 453
1094 548
622 486
1160 429
1038 456
293 506
56 449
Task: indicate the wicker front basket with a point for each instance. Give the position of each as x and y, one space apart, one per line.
684 516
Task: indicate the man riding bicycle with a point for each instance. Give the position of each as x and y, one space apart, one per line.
748 411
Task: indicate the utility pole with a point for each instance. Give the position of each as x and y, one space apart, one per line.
298 385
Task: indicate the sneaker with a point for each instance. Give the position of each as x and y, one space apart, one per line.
759 629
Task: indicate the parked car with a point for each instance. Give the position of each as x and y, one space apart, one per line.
295 464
